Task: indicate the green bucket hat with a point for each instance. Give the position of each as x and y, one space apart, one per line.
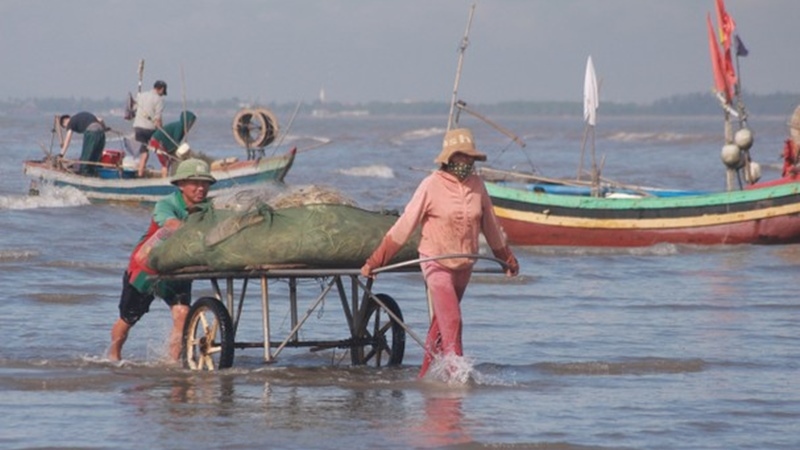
193 169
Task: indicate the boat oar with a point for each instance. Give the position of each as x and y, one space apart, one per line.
47 153
69 162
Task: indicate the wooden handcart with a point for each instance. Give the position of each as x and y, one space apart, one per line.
377 333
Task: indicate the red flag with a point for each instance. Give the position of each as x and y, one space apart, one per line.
726 27
728 70
716 62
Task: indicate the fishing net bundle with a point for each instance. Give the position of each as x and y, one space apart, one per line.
322 235
278 196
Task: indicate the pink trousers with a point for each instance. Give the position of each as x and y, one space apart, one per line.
446 288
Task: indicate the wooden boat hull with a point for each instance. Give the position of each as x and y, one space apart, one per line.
763 215
148 190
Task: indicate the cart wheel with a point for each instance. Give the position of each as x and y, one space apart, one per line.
386 338
207 336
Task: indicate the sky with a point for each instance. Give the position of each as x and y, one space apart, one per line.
386 50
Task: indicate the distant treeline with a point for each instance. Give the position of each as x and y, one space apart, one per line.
779 103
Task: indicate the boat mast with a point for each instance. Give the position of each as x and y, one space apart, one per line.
464 43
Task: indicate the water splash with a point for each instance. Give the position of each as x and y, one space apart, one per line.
452 369
47 196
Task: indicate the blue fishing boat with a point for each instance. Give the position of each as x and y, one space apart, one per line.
117 183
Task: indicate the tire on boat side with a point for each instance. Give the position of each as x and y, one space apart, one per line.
386 337
255 128
208 336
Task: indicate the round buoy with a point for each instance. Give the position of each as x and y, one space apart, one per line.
255 128
731 155
743 138
755 171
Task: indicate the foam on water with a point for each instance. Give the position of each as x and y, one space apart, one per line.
48 196
451 369
8 255
655 137
373 171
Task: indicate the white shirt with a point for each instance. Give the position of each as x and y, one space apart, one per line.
149 106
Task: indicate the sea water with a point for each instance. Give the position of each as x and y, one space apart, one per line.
662 347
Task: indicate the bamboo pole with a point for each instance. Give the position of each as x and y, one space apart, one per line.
462 48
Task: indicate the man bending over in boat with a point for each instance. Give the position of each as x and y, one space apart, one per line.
193 179
165 141
94 138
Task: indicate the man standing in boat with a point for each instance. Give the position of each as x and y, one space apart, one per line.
149 108
193 179
94 138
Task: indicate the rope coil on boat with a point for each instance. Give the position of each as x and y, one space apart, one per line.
255 128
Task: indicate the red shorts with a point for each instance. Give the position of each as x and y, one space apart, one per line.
161 153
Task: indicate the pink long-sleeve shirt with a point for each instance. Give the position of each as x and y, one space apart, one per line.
452 214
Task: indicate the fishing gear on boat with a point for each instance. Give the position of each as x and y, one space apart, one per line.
255 128
462 106
130 107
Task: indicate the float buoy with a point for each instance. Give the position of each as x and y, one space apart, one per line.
255 128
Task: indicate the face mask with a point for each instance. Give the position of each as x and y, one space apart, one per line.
460 170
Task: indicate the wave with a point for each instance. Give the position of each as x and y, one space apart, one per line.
18 255
374 171
656 137
637 366
419 134
48 196
661 249
110 266
305 142
63 299
455 375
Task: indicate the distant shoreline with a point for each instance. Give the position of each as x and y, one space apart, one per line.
697 104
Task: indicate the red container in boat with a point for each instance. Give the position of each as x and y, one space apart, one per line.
113 157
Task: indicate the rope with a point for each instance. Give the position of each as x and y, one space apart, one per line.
288 127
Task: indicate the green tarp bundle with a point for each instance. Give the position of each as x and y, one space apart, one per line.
321 236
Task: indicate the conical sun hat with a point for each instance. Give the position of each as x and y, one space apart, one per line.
458 140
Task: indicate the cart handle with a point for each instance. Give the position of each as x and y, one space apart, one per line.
414 262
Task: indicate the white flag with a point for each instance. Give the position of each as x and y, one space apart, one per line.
590 97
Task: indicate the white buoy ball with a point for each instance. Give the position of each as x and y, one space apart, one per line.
755 171
743 138
731 155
